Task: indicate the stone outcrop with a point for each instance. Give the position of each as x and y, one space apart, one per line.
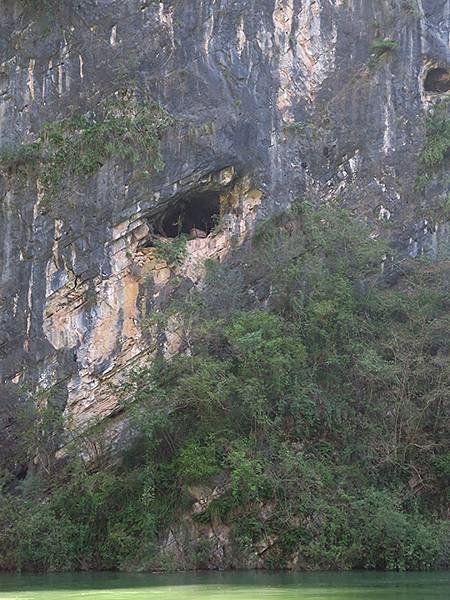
271 100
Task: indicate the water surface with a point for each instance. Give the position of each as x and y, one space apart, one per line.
228 586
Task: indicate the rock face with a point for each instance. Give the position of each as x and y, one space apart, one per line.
271 100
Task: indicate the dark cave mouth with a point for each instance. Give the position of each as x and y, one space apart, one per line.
437 81
194 215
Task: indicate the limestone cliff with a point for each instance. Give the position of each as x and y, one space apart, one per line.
267 100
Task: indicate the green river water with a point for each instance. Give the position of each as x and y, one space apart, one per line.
228 586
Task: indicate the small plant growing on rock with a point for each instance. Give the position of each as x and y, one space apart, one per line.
436 149
382 45
173 251
295 126
437 144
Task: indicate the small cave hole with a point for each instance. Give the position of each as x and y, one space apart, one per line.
437 81
194 215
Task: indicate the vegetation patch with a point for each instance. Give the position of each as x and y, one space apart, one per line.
436 149
316 406
437 141
172 250
382 45
123 129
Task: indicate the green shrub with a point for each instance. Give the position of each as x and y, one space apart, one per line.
381 48
437 141
197 461
319 408
383 45
172 251
248 481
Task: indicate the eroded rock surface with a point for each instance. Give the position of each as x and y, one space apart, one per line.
272 100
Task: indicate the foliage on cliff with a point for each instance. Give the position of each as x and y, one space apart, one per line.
436 150
313 391
122 128
437 142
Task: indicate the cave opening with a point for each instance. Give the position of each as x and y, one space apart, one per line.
196 215
437 81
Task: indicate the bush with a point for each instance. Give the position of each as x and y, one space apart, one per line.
319 409
198 461
437 141
382 45
172 251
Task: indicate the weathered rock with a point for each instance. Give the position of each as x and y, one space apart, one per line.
273 99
